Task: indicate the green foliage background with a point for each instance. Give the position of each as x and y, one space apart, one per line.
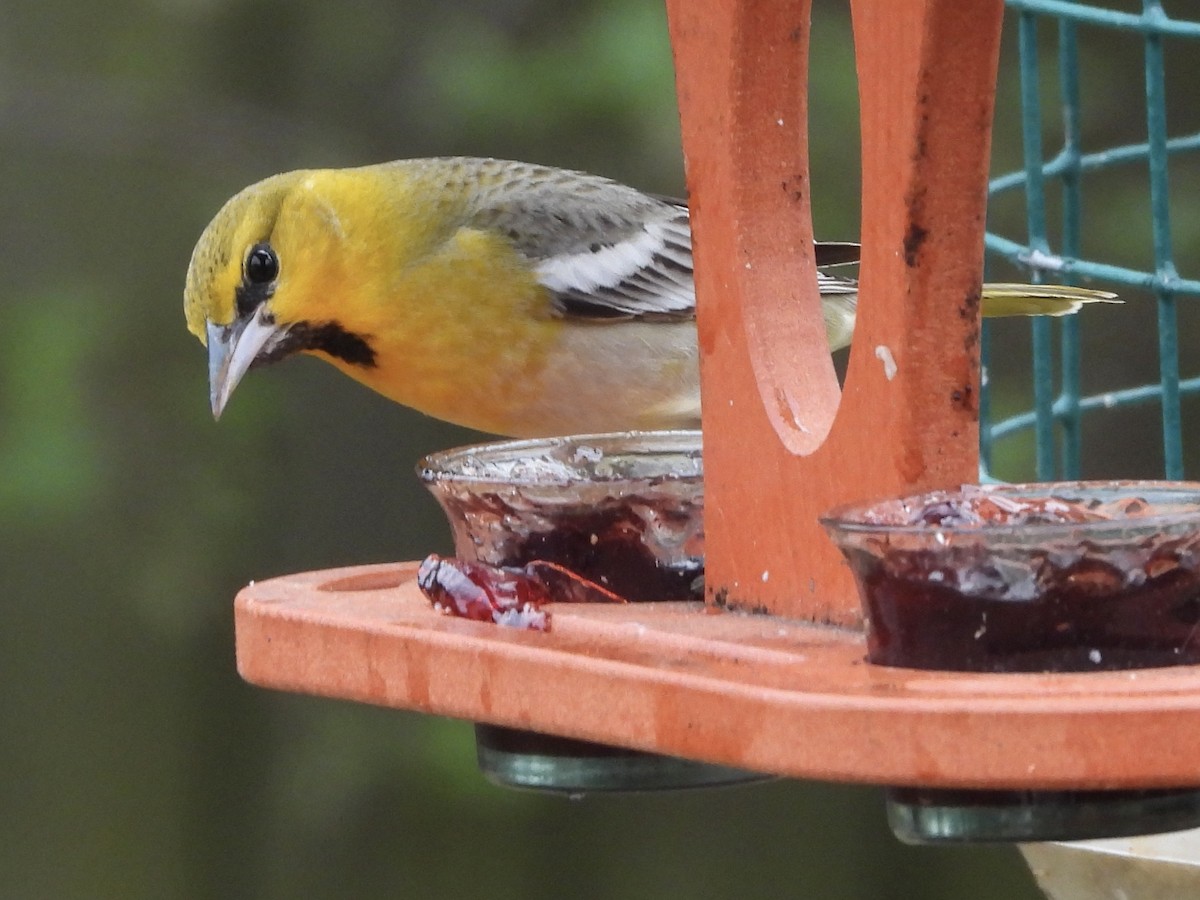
135 763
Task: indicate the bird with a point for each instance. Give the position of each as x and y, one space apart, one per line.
508 297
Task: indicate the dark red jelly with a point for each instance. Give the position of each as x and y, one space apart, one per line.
506 596
1087 613
607 546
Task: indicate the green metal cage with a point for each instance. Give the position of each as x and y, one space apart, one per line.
1059 406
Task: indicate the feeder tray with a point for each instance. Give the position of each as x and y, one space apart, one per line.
751 691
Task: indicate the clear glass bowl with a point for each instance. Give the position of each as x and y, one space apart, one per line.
624 510
1064 577
1061 577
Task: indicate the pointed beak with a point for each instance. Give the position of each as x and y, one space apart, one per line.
232 349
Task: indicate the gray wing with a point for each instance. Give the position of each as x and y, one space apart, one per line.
605 250
647 272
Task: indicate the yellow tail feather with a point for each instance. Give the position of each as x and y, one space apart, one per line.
1039 299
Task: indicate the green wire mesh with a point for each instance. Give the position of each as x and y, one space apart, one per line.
1058 409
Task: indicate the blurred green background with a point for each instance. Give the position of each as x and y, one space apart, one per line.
135 763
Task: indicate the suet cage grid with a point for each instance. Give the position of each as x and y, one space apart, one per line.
1059 404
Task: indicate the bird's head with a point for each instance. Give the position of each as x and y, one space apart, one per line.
255 278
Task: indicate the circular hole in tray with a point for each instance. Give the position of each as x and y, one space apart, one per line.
383 580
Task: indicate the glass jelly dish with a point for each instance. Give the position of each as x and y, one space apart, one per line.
1058 577
623 510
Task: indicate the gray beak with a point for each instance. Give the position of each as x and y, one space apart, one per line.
233 348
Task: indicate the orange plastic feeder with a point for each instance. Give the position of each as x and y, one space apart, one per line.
774 679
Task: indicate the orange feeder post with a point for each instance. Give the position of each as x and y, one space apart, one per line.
779 449
786 691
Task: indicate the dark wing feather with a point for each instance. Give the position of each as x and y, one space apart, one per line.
606 251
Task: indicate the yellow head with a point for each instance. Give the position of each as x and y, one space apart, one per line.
259 283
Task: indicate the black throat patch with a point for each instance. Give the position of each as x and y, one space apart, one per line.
325 337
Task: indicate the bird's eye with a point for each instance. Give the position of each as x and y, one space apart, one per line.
262 265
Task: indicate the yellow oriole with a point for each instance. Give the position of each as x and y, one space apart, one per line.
512 298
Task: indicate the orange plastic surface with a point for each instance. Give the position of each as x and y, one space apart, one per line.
751 691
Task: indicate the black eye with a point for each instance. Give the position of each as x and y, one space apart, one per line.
262 265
